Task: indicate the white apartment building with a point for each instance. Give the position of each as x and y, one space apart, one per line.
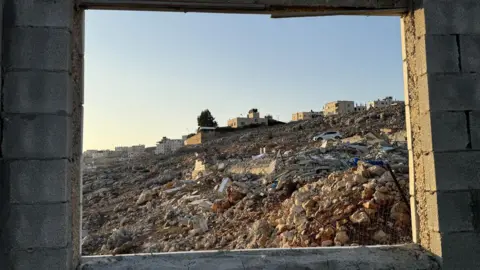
168 146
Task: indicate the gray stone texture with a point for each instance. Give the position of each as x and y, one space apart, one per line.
346 258
51 259
440 54
38 92
452 17
39 226
452 171
42 13
37 48
475 128
36 136
38 181
445 131
470 52
451 92
450 211
460 251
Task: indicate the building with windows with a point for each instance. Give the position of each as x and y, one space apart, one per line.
298 116
385 102
359 108
338 107
168 146
253 118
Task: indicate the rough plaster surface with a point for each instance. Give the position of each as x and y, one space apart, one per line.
78 51
407 257
410 55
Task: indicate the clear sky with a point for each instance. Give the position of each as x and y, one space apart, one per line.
150 74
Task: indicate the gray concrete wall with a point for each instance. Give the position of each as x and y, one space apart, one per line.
441 54
39 154
344 258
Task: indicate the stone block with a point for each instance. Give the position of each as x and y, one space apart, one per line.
444 131
39 226
475 129
460 250
475 194
41 259
450 92
36 136
38 181
452 17
470 52
437 54
450 211
452 171
37 92
41 13
37 48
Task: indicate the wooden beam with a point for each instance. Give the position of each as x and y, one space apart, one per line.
277 8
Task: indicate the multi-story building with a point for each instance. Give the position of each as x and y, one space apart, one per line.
168 146
360 108
121 149
306 115
385 102
253 118
338 107
137 148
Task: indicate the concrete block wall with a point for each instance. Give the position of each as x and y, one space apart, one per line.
441 55
39 136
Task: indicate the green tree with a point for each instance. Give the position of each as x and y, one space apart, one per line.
205 119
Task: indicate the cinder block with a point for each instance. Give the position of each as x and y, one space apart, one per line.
36 226
36 136
438 54
451 92
33 181
452 171
444 131
37 48
38 92
450 211
470 51
41 13
41 259
452 17
475 128
460 250
475 194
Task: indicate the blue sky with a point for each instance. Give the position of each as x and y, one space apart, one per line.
149 74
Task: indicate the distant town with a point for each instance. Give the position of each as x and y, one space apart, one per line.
204 133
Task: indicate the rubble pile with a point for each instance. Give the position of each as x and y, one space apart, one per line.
267 187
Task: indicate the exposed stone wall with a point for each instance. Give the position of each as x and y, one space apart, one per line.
441 53
38 157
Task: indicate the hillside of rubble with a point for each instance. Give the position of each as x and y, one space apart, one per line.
268 187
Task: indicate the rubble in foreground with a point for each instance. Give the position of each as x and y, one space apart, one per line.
225 195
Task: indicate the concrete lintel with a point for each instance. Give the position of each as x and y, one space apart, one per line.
398 257
278 8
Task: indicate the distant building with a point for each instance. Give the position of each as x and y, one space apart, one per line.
360 108
121 149
338 107
137 148
168 146
100 154
385 102
253 118
306 115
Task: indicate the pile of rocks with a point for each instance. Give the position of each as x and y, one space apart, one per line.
298 193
